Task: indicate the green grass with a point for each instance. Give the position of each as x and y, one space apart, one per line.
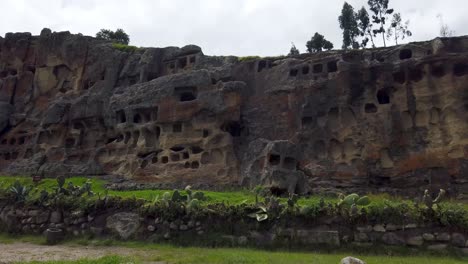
98 186
248 58
124 48
103 260
233 197
147 252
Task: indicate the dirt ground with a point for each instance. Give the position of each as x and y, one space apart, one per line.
15 252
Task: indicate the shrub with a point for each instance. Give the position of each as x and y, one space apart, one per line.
124 47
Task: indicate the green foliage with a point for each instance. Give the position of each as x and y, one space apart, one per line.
118 36
398 29
124 47
293 51
102 260
248 58
19 192
349 25
318 43
380 15
353 200
365 27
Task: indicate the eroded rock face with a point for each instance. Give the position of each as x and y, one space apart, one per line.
390 119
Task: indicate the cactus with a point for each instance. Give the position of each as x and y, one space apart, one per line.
199 196
19 191
193 205
292 200
176 197
188 190
261 215
427 199
353 200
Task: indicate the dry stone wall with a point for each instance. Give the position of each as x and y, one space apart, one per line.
389 119
332 232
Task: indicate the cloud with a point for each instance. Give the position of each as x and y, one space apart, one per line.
220 27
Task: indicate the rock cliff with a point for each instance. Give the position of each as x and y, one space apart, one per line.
389 119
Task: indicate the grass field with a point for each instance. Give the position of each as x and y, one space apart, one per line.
242 256
151 253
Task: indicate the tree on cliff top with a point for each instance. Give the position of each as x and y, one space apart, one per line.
380 15
318 43
349 25
398 29
118 36
294 51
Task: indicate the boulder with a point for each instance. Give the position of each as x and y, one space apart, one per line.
351 260
125 224
392 239
458 240
415 241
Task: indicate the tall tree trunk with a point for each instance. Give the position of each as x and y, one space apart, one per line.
382 29
396 38
371 38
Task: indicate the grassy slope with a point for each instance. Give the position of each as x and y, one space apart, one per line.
229 197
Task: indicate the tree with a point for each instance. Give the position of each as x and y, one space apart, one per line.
365 27
349 25
381 11
398 29
117 36
317 43
294 51
444 30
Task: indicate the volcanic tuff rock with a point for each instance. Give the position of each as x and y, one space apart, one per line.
388 119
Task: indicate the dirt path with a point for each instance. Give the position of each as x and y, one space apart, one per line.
10 253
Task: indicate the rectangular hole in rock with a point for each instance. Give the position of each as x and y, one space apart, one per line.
186 93
196 150
460 69
318 68
306 120
121 116
405 54
261 65
293 72
274 159
192 59
332 66
182 62
383 97
305 69
195 165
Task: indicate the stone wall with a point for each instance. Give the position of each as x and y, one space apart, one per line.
292 233
389 119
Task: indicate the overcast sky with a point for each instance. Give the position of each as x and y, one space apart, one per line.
220 27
